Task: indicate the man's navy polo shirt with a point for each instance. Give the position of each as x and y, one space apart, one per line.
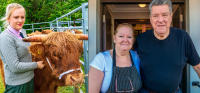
162 61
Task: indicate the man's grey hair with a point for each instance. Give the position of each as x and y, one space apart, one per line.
161 2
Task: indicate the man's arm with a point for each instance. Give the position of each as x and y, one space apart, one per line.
197 69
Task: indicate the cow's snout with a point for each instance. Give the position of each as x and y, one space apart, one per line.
74 79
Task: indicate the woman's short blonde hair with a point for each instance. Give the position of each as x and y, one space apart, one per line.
124 25
9 9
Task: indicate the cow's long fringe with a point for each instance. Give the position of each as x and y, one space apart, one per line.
65 46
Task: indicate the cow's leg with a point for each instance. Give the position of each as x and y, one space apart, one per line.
76 90
55 89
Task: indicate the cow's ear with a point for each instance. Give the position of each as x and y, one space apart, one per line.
37 50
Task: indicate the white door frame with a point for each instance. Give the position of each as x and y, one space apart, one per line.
192 26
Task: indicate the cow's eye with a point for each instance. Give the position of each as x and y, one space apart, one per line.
54 54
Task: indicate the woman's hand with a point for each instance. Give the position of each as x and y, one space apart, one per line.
40 64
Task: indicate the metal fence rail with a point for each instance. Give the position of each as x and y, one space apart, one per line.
61 23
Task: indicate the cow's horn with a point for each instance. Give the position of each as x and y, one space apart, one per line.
81 36
35 38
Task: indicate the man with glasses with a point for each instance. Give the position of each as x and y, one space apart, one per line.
164 51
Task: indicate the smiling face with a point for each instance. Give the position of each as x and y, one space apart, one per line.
17 18
161 19
123 39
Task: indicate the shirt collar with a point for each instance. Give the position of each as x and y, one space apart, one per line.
14 31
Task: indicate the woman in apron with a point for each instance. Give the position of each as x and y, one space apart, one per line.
116 70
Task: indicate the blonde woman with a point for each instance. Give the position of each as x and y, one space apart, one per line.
18 65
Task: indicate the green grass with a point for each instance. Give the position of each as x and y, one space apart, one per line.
69 89
2 89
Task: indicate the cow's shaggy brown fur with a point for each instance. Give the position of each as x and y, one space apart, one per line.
63 51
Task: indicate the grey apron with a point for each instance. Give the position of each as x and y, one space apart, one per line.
124 79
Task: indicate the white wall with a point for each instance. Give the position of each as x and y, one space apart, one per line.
93 31
194 30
